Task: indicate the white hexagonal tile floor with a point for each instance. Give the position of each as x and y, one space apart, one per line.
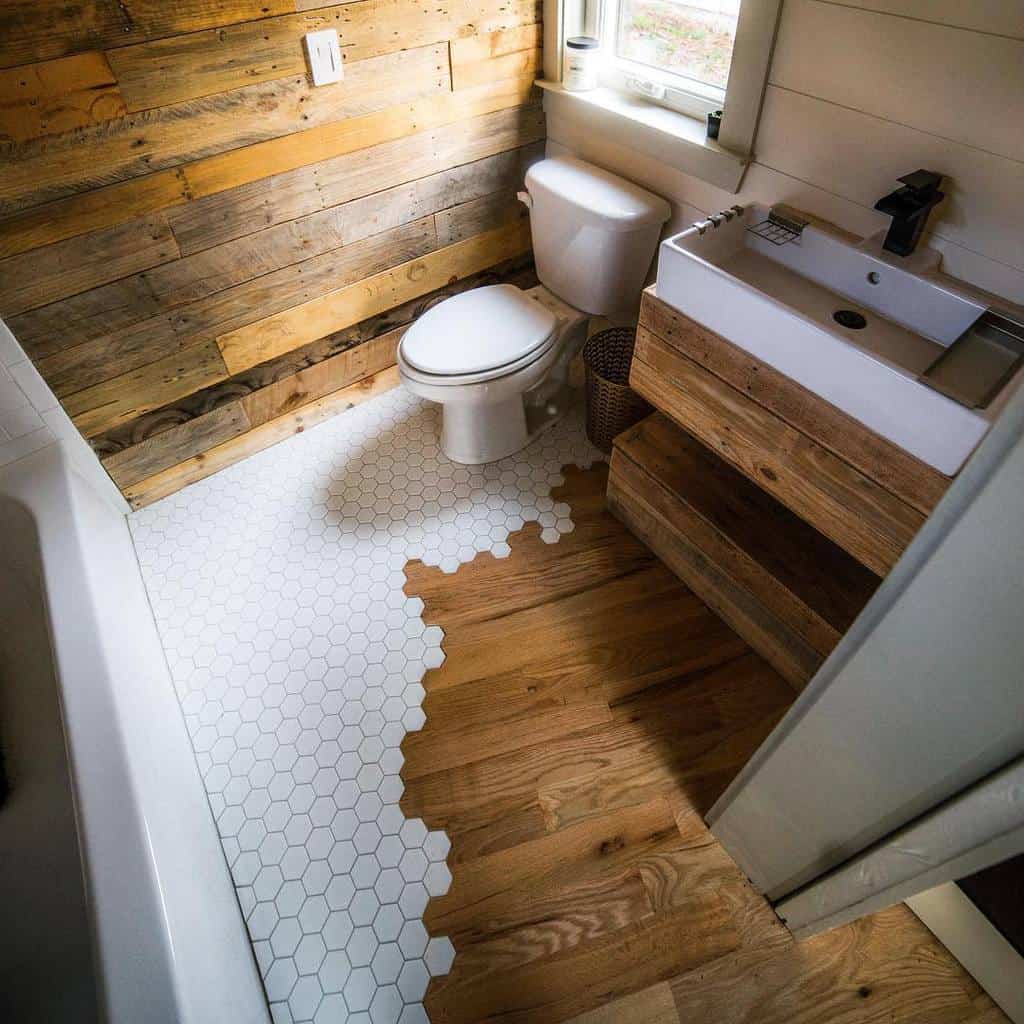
277 590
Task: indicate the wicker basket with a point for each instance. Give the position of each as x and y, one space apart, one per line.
612 405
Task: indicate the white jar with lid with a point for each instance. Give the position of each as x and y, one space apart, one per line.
580 63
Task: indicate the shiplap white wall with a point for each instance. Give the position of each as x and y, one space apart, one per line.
31 418
863 91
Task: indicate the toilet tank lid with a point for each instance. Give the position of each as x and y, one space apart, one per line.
596 195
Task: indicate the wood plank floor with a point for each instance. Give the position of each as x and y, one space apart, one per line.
589 711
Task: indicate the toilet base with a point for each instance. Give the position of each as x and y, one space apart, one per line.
474 433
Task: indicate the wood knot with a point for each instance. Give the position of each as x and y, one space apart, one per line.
769 474
864 991
610 846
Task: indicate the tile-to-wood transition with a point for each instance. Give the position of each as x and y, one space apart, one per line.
188 228
589 710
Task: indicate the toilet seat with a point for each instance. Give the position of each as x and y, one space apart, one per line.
478 335
460 379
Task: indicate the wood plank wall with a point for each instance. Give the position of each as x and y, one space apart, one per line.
196 245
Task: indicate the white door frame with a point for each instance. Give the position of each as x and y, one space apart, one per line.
978 828
972 938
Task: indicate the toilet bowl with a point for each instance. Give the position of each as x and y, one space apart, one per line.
496 358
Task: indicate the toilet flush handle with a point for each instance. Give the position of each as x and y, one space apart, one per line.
526 199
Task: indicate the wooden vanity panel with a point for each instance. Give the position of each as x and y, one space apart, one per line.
778 510
770 546
910 479
790 592
828 492
855 487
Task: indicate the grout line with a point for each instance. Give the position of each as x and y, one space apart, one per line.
451 67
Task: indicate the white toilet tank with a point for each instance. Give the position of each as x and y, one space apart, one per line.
594 234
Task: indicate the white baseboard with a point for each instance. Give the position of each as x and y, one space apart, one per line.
965 931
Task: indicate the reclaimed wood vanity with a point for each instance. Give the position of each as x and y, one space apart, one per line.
779 510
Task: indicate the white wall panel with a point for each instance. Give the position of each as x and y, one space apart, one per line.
1000 17
917 81
965 86
860 156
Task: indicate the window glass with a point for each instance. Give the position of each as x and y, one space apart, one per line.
691 38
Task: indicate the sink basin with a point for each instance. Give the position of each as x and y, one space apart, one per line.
845 320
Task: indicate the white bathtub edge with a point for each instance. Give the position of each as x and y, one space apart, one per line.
149 840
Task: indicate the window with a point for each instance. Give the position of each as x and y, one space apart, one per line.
675 52
665 65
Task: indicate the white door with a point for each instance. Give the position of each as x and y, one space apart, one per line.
921 701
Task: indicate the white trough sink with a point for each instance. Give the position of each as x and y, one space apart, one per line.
778 302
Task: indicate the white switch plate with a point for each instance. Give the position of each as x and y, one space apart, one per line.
324 53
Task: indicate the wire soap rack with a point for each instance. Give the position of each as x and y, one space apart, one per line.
782 226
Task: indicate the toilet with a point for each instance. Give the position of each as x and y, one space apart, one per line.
496 358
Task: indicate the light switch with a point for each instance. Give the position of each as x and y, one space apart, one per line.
324 53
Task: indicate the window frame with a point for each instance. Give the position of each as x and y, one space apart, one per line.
656 85
748 74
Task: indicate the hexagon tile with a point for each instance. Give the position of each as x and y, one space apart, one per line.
297 658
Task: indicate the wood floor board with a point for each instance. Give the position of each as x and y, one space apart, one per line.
586 887
516 825
604 557
654 1005
879 969
699 746
599 650
556 982
570 857
471 743
738 687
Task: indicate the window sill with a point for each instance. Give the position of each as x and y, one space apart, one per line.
665 134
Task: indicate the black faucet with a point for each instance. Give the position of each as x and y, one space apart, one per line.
909 208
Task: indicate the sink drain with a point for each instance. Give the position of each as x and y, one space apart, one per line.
849 318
